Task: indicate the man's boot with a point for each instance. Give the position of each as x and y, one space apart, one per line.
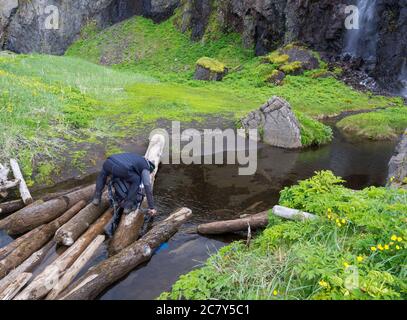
96 199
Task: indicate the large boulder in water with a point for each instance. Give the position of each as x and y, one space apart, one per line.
398 165
276 123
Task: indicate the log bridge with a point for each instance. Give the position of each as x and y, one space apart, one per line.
67 219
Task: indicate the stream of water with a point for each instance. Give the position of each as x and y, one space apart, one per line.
217 192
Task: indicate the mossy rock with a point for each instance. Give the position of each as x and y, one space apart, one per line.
277 58
276 77
308 59
294 68
209 69
293 59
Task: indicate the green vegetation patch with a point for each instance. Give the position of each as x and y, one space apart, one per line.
211 64
356 249
378 125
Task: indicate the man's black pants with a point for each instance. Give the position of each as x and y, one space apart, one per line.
111 168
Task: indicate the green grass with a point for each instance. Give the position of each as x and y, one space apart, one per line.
356 249
380 125
165 53
50 103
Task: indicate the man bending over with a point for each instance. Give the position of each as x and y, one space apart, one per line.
135 170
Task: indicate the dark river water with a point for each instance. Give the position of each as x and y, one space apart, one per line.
217 192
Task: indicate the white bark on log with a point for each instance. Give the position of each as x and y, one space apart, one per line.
3 173
292 214
11 291
256 221
130 225
47 280
36 241
68 233
24 192
9 184
6 250
33 216
27 266
113 269
74 270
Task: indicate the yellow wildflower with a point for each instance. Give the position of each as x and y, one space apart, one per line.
323 283
337 221
275 292
339 224
346 265
386 247
397 247
373 248
360 258
394 237
343 221
380 247
399 239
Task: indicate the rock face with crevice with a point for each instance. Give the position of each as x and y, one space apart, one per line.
276 123
24 28
398 165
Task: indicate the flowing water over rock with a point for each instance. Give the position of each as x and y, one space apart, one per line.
403 79
217 192
362 42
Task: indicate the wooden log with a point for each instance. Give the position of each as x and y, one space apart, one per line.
6 250
49 278
27 266
74 270
3 179
58 194
30 217
10 207
116 267
24 192
4 171
130 225
67 234
255 221
36 240
9 184
292 214
11 291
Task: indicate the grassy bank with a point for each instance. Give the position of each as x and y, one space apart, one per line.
357 249
379 125
162 51
58 107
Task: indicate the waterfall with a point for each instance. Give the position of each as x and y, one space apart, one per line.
361 43
403 79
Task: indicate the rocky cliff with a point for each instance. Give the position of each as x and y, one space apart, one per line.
268 24
50 26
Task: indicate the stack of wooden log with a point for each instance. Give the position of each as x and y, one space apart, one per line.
68 220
